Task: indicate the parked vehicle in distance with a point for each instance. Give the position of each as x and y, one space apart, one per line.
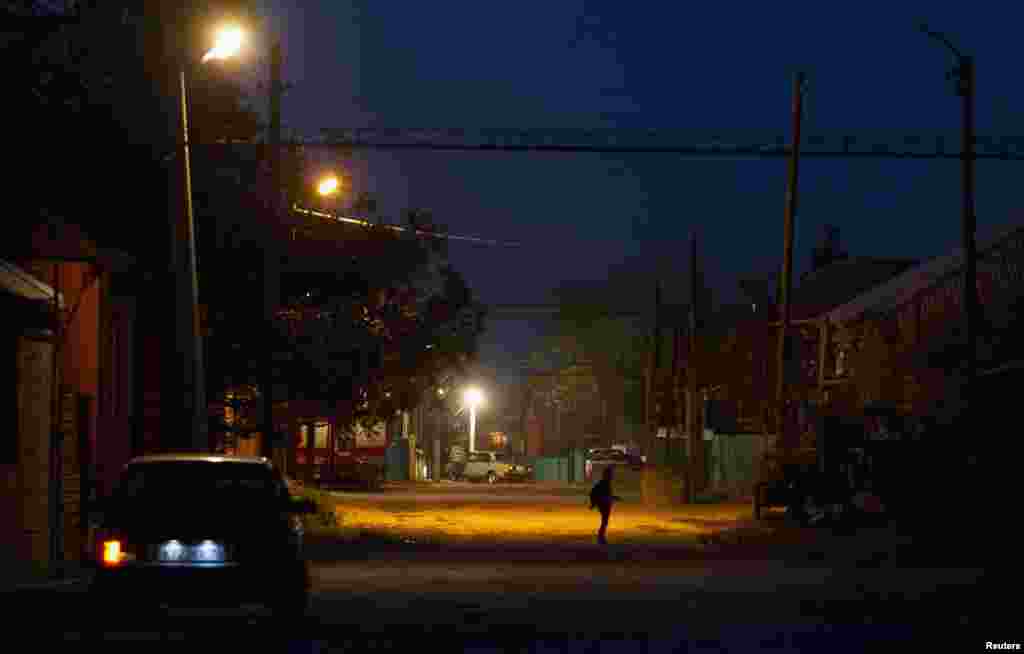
609 455
522 469
491 467
456 463
351 469
199 530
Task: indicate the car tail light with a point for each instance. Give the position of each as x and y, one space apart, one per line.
113 550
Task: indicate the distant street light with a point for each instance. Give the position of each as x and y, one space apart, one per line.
228 43
328 186
473 398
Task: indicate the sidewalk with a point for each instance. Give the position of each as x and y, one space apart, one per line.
20 576
896 544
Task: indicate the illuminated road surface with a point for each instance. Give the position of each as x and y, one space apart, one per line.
617 606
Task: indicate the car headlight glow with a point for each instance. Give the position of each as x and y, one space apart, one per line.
209 551
173 551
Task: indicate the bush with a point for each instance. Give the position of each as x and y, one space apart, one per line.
326 514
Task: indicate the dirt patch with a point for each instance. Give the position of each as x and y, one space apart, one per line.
518 524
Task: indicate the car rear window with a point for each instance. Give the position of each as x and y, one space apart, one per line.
198 481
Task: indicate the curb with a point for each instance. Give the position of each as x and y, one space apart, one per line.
51 584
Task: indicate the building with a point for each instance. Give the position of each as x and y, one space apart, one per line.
70 417
914 323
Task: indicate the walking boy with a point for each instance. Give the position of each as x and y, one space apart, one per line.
601 498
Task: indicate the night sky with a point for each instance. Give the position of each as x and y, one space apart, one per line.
700 66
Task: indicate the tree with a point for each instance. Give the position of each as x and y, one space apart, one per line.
594 350
378 334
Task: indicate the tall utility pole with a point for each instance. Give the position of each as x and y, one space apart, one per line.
270 253
970 300
963 73
785 347
695 433
437 443
678 413
653 359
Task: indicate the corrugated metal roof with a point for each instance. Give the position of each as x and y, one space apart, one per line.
902 288
842 281
23 284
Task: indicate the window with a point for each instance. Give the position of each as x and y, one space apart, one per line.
321 436
197 483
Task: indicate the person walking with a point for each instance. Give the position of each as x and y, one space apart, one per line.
601 498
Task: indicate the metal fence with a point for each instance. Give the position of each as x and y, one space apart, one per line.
569 468
734 461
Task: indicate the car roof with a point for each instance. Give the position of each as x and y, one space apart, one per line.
200 458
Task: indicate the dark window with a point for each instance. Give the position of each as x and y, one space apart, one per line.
199 484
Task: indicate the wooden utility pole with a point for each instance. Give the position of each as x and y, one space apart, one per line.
270 254
963 73
694 432
653 359
785 347
678 414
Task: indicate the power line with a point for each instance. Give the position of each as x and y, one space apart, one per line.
739 143
397 228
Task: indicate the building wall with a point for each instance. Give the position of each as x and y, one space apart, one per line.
30 531
116 408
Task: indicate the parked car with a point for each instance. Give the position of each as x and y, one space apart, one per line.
455 470
522 469
491 467
351 469
609 455
201 530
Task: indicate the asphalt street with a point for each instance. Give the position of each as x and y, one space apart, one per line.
613 606
545 597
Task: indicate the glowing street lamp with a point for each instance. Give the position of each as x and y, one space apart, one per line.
227 43
328 186
473 398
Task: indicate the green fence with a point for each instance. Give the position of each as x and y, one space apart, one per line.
566 469
734 462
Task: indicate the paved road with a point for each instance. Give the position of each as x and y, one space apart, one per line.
606 607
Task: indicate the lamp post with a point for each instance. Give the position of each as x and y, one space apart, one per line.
473 398
228 43
963 73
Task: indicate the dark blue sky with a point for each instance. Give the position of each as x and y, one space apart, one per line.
713 66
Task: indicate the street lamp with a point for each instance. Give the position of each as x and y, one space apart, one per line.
328 186
473 398
963 73
227 44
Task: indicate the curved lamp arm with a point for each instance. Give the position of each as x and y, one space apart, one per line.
942 39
